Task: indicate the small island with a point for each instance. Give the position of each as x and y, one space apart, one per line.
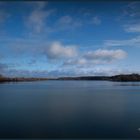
119 78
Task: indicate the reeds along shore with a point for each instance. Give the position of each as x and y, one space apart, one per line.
122 78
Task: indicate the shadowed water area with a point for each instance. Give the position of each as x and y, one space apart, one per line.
70 109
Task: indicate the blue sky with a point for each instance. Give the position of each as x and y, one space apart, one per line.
69 38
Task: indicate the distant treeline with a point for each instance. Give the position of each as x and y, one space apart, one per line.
121 77
19 79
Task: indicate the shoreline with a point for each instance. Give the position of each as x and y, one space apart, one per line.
116 78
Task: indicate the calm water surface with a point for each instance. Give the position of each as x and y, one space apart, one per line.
70 109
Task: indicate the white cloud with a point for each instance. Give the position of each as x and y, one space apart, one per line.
96 20
96 58
131 17
3 67
66 55
131 24
75 62
56 50
132 28
37 18
25 73
71 22
105 54
134 42
37 4
67 22
94 71
132 10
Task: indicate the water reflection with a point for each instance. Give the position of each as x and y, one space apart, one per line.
69 109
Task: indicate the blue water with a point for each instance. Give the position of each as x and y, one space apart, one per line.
70 109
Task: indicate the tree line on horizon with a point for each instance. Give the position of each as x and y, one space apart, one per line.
121 77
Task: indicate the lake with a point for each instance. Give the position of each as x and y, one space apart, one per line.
70 109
